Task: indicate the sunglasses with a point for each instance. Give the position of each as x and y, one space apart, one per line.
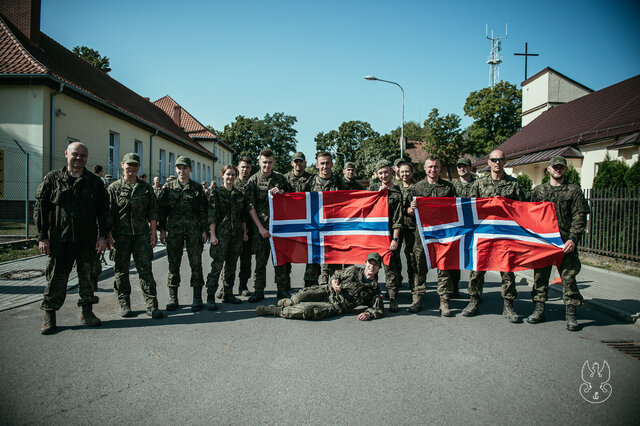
496 160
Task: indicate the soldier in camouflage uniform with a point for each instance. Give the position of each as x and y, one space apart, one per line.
325 180
408 232
228 230
70 214
393 272
182 208
349 177
244 167
571 210
256 194
463 189
497 183
431 186
157 187
351 287
133 216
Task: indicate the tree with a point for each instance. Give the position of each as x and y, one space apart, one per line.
413 131
610 174
632 177
496 113
372 150
444 138
248 136
526 184
93 57
346 141
572 176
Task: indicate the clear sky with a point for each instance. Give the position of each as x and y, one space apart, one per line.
221 59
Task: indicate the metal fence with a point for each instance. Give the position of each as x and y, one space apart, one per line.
613 228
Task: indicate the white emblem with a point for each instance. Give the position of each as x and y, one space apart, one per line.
595 387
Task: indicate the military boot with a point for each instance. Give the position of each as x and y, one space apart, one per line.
393 305
284 294
537 315
416 306
244 290
472 307
230 298
269 310
572 323
88 317
173 299
444 308
125 308
220 294
211 299
196 305
154 312
49 324
509 313
257 296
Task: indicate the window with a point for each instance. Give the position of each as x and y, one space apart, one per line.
199 176
137 147
162 166
208 174
113 167
172 163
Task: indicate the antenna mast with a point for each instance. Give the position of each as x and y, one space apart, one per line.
494 59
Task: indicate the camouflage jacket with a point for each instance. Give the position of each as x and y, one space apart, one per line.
298 182
571 208
131 207
409 221
463 188
227 210
354 184
71 209
357 291
156 191
315 184
396 220
182 210
239 185
256 193
507 187
441 188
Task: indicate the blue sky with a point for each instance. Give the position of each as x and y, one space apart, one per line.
220 59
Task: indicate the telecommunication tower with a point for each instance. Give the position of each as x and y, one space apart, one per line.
495 59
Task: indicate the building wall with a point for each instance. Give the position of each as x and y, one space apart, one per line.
224 157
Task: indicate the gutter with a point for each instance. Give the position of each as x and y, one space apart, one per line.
52 127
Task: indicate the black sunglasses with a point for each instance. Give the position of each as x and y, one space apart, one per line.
496 160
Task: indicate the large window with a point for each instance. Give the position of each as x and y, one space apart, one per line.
113 168
137 147
172 163
162 166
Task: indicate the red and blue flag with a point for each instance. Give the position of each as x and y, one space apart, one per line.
488 234
332 227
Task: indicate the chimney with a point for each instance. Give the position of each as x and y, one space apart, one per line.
177 111
25 16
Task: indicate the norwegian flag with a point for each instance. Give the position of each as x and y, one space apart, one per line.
331 227
488 234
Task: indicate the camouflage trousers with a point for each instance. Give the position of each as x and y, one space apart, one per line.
475 277
393 274
224 255
408 239
445 282
262 250
139 246
96 270
175 245
315 271
312 303
245 262
59 265
509 292
569 268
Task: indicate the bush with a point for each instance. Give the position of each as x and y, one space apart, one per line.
632 177
611 174
572 176
526 184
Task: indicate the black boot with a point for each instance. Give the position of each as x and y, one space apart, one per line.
49 324
257 296
211 299
472 307
173 299
537 315
125 308
89 318
196 305
572 323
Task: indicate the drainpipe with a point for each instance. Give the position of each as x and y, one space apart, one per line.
52 145
151 155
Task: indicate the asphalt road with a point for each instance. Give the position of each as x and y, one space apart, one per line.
232 367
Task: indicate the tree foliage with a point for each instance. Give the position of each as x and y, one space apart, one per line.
249 136
632 177
526 184
611 174
413 131
372 150
572 176
93 57
496 113
346 141
443 138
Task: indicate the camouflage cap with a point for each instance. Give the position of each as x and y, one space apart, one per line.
375 257
185 161
131 157
350 165
298 156
382 164
558 160
463 160
399 161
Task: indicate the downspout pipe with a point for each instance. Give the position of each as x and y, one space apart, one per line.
52 144
151 154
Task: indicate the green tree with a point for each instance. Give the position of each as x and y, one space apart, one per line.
248 136
93 57
526 184
632 177
346 140
611 174
572 176
496 113
413 131
444 138
372 150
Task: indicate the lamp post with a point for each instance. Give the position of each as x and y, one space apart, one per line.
372 78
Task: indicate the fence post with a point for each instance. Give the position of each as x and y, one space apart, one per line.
26 201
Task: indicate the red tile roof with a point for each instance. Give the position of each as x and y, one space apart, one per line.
416 151
54 64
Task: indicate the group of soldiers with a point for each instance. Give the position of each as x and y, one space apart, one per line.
77 217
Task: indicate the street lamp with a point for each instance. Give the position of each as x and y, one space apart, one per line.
372 78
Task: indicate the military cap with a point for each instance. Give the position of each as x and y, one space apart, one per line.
349 165
463 160
299 156
558 160
399 161
185 161
131 157
375 257
382 164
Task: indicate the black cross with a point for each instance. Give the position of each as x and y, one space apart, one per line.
526 55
